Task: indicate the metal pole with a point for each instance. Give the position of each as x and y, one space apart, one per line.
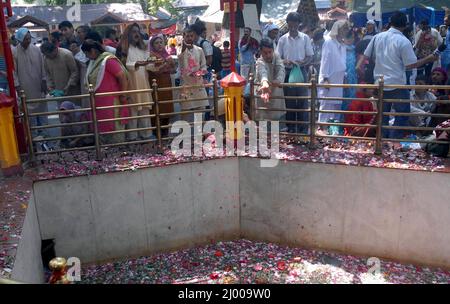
215 97
312 118
232 34
157 118
379 132
23 100
251 80
98 149
9 62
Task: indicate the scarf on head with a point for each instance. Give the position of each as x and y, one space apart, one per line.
96 69
21 33
95 74
159 54
443 72
74 116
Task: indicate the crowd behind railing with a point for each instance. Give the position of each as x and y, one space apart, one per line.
79 126
318 83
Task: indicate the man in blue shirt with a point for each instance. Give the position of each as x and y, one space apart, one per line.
248 47
394 55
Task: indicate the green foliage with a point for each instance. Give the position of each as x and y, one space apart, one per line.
153 6
148 6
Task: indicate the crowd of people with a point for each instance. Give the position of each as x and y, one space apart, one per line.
342 54
72 59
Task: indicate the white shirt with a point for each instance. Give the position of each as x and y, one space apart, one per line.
206 46
295 49
434 32
334 59
393 52
422 106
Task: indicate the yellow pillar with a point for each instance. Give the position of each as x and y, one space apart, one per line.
9 151
234 109
233 85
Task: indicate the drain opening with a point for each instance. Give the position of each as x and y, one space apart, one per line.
47 252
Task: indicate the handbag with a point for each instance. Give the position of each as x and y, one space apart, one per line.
296 75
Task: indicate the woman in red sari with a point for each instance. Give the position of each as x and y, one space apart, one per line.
107 74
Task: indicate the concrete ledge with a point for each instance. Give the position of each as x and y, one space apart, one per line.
394 214
28 266
129 213
397 214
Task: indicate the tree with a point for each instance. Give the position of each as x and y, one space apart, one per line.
153 6
143 3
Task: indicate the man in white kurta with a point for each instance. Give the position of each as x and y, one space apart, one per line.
332 71
270 72
29 75
192 63
137 65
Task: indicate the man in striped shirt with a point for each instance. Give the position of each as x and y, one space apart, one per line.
226 59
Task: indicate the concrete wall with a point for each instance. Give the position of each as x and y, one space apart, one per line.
149 210
397 214
28 266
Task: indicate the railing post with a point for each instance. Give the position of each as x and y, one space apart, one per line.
158 118
312 118
215 97
379 133
251 80
98 151
23 100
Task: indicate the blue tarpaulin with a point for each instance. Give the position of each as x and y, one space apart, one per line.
415 14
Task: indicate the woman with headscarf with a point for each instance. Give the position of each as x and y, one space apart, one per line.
332 70
272 32
439 77
106 73
136 57
161 71
70 130
350 74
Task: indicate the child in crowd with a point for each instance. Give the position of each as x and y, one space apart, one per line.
172 49
72 117
439 76
418 106
226 59
359 105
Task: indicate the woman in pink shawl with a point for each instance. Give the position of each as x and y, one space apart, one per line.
106 74
161 73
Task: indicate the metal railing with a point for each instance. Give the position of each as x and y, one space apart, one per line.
314 100
313 109
96 134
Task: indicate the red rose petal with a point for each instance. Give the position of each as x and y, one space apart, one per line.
218 253
281 265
